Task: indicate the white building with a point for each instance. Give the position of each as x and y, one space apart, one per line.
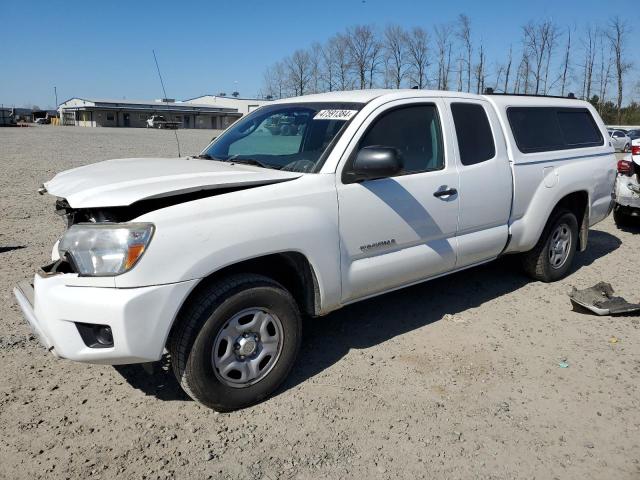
91 112
242 105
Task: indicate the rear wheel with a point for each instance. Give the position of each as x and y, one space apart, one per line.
236 341
551 258
626 148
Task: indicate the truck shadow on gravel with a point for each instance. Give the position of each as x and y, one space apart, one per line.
9 249
365 324
369 323
155 379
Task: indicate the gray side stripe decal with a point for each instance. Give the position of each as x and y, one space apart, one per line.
564 159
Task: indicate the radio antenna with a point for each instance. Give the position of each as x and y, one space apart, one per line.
165 98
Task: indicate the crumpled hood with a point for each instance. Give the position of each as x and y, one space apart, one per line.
125 181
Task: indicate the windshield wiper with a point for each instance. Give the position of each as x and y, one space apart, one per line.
205 156
249 161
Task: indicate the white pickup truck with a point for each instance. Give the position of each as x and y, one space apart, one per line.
216 257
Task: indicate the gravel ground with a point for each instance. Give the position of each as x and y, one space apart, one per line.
455 378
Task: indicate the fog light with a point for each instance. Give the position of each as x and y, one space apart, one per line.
95 335
104 336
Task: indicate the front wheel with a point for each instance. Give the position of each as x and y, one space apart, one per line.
236 341
551 258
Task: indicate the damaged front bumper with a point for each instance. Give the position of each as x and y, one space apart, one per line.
25 294
600 299
139 319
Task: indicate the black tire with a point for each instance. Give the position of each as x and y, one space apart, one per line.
626 148
192 342
537 263
620 217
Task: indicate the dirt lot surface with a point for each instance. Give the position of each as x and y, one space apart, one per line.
457 378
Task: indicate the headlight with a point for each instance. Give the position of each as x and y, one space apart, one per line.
107 249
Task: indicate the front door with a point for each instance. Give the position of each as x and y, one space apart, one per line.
126 119
399 230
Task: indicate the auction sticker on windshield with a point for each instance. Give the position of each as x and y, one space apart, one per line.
335 114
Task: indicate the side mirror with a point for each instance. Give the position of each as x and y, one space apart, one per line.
376 162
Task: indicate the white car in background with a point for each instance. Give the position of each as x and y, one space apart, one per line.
620 140
627 189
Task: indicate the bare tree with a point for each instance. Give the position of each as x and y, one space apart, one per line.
315 68
617 34
479 70
508 69
539 40
342 61
589 46
565 63
444 46
524 73
362 57
395 50
274 81
606 63
375 59
418 56
298 67
464 34
362 47
552 40
269 84
499 72
327 69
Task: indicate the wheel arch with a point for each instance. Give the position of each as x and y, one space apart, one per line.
291 269
527 230
577 203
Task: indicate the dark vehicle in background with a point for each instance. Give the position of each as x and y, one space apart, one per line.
634 134
158 121
286 125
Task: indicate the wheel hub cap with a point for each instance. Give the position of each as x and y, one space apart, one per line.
560 246
247 347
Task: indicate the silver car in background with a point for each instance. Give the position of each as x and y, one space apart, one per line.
620 140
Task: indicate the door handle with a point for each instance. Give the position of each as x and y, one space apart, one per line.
445 193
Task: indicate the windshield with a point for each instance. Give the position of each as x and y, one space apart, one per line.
294 137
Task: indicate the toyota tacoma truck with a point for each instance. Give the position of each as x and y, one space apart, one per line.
215 258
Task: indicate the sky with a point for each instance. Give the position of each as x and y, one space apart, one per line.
101 49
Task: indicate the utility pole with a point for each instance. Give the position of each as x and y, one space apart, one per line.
55 92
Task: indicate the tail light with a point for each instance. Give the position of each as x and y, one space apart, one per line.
635 150
625 167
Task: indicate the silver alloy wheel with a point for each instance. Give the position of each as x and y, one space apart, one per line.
247 347
560 246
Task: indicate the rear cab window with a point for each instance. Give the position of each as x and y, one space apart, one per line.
475 138
545 129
